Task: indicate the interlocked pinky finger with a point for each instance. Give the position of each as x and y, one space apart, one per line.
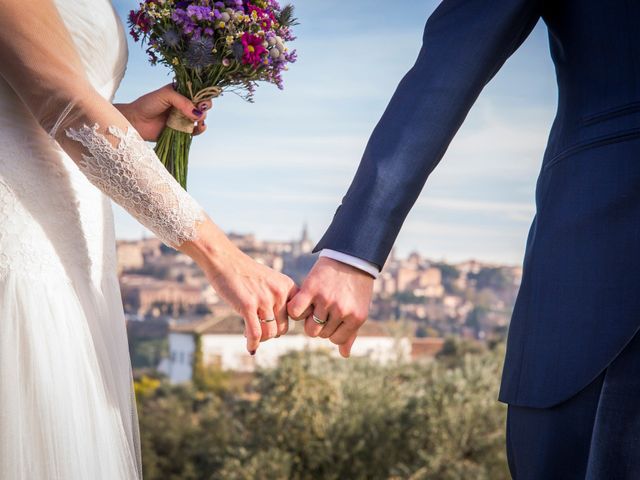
282 319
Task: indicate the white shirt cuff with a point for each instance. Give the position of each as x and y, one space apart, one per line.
356 262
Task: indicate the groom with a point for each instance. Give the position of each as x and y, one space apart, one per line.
572 369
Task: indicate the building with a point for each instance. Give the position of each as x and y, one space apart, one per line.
130 256
423 282
304 245
141 294
385 285
224 345
426 347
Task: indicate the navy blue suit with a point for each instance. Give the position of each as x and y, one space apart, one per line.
579 302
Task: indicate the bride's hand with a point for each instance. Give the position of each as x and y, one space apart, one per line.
148 114
258 293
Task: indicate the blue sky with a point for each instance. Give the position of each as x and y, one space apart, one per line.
269 167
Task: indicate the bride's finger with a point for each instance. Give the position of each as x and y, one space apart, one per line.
184 105
204 106
268 323
282 319
253 332
199 128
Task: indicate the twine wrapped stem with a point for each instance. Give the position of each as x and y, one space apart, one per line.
178 121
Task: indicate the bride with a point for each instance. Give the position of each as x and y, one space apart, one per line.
67 409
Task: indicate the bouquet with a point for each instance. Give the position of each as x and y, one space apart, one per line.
211 47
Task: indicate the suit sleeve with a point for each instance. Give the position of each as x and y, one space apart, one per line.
39 60
465 43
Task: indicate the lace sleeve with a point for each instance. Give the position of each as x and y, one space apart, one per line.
38 58
131 174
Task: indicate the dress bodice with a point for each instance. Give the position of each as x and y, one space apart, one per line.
100 38
52 219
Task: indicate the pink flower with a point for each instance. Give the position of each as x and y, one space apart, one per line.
253 49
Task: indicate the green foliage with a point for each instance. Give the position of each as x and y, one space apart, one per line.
318 417
455 350
147 353
197 362
287 18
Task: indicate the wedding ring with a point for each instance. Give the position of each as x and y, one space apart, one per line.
318 321
267 320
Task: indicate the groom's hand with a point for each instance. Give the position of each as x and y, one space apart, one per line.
338 294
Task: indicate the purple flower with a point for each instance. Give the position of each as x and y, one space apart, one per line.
201 13
171 38
179 16
238 50
199 54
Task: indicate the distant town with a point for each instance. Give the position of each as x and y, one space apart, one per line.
175 316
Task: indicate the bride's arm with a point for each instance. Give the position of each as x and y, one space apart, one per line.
38 59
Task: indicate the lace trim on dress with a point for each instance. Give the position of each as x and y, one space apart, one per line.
133 176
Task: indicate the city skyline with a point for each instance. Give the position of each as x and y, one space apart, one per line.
289 158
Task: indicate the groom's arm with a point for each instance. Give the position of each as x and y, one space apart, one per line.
465 43
356 262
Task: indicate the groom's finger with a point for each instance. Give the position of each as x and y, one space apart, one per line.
313 328
299 307
344 332
332 325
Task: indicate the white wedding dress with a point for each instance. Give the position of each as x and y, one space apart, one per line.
67 409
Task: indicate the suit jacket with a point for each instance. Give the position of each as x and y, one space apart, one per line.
579 301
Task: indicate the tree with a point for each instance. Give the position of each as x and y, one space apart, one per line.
318 417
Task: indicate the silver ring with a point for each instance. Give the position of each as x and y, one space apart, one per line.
318 321
267 320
